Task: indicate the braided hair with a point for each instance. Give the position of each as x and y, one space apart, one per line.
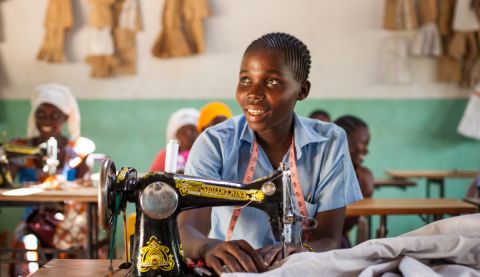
295 52
350 123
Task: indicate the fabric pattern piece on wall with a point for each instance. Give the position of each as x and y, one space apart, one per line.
58 20
470 123
182 29
113 25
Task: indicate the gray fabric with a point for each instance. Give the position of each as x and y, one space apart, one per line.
450 247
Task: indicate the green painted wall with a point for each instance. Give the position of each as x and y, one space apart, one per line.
405 134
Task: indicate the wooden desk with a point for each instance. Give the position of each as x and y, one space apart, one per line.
400 206
398 183
33 196
436 177
88 195
78 268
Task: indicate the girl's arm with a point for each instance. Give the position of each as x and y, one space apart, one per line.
236 255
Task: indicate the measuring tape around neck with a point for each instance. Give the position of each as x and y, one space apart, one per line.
297 189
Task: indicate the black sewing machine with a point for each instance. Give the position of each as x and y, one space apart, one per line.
159 198
18 154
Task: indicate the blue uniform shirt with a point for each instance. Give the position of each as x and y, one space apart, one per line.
324 166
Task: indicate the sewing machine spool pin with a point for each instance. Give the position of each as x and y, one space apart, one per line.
288 215
159 197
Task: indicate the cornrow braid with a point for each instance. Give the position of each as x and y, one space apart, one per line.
350 123
297 56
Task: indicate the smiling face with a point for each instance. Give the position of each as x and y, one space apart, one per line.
358 144
267 91
49 120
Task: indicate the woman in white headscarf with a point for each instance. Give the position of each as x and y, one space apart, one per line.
53 106
181 127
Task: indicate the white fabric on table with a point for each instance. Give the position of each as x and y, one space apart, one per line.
450 247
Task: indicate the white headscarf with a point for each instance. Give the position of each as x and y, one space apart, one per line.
180 118
61 97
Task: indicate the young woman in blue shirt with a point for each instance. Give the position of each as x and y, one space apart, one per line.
273 77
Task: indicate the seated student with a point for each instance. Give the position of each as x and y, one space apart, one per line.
358 139
212 114
53 105
273 77
320 115
182 126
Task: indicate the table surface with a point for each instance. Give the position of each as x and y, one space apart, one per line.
398 206
432 174
81 194
393 183
78 267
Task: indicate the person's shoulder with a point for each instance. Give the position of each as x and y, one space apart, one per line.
21 141
364 169
327 130
364 173
227 129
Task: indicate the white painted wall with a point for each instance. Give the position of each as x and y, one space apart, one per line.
345 38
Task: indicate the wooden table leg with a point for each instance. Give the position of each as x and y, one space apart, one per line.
369 219
441 186
428 188
382 229
90 252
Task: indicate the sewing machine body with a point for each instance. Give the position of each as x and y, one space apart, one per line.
12 153
159 198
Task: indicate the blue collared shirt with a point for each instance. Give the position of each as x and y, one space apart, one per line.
324 166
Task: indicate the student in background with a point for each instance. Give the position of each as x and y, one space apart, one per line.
53 106
358 138
182 126
273 77
320 115
212 114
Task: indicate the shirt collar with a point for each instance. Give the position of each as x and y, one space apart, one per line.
304 135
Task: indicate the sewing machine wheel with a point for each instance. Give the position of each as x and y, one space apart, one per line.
269 188
159 200
106 197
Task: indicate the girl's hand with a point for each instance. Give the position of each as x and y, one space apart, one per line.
272 254
233 256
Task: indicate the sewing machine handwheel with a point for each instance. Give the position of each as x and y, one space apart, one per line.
106 197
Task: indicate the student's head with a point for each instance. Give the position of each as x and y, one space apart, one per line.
182 126
358 137
53 105
273 77
212 114
320 115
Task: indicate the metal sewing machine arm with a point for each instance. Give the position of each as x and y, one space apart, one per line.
159 198
51 161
